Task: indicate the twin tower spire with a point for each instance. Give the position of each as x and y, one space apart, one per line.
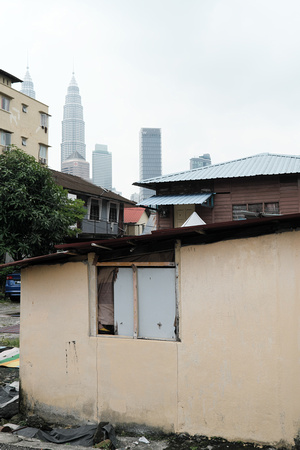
73 149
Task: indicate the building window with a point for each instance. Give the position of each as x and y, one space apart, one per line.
137 301
44 120
272 208
5 139
94 209
24 108
24 141
43 154
113 212
5 101
239 211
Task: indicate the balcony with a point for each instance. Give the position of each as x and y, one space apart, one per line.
99 227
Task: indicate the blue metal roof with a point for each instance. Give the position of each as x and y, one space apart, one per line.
261 164
193 199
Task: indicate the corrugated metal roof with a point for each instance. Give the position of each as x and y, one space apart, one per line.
261 164
193 199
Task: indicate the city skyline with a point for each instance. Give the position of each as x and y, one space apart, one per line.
217 77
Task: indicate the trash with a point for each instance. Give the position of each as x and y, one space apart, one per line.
105 431
10 357
86 435
9 400
105 444
9 428
83 435
144 440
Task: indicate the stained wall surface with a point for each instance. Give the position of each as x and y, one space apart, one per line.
24 123
235 372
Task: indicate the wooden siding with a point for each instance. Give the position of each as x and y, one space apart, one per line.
205 213
284 190
289 197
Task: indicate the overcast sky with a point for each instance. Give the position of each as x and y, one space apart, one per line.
217 76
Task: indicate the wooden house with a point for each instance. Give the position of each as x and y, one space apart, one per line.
258 185
105 209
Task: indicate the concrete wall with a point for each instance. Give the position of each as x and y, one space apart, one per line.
23 124
234 374
239 365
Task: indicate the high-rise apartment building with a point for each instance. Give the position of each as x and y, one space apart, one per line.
73 126
23 120
102 167
201 161
150 157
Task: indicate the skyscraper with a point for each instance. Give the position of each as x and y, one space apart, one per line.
76 165
102 167
73 126
201 161
27 85
150 157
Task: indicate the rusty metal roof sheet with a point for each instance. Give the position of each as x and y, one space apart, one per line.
261 164
200 234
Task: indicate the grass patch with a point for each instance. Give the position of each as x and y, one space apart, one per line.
10 342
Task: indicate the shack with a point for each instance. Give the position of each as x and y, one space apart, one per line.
193 330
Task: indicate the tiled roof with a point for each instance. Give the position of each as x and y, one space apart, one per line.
133 215
78 185
261 164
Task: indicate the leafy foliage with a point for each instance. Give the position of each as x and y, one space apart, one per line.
35 213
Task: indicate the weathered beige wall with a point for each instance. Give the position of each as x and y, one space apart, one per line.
57 363
234 374
22 124
65 371
238 364
138 382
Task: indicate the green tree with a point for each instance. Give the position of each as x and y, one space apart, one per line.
35 213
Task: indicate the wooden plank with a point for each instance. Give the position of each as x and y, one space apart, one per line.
135 302
137 264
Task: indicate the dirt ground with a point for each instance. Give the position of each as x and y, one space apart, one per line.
9 315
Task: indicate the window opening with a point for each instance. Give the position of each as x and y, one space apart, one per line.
43 154
94 210
5 103
137 300
5 139
238 211
113 212
44 120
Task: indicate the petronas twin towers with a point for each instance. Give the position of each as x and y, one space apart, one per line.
73 134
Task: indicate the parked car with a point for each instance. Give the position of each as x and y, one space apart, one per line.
13 286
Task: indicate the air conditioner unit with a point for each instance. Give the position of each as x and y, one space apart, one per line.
43 160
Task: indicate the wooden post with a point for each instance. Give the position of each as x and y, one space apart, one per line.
135 301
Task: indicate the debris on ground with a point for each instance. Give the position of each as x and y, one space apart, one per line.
9 400
9 357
